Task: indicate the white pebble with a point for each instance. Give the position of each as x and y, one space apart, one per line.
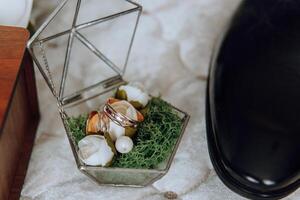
124 144
94 150
135 93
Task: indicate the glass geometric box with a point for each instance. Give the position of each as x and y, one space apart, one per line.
83 63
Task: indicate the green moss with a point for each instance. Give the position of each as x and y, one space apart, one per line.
76 126
155 137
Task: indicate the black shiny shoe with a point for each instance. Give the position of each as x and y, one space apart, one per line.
253 101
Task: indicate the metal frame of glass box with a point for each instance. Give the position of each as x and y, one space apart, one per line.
76 102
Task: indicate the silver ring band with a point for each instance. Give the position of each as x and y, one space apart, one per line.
118 118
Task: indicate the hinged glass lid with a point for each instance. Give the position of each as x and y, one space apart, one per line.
82 49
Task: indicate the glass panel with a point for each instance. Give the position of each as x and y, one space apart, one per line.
113 38
84 69
85 107
83 58
62 21
92 10
124 177
50 49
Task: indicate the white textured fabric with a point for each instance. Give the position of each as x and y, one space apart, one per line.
170 56
15 12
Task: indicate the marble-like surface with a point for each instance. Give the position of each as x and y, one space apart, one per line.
170 55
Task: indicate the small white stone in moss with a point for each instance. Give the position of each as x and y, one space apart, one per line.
124 144
95 151
135 93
